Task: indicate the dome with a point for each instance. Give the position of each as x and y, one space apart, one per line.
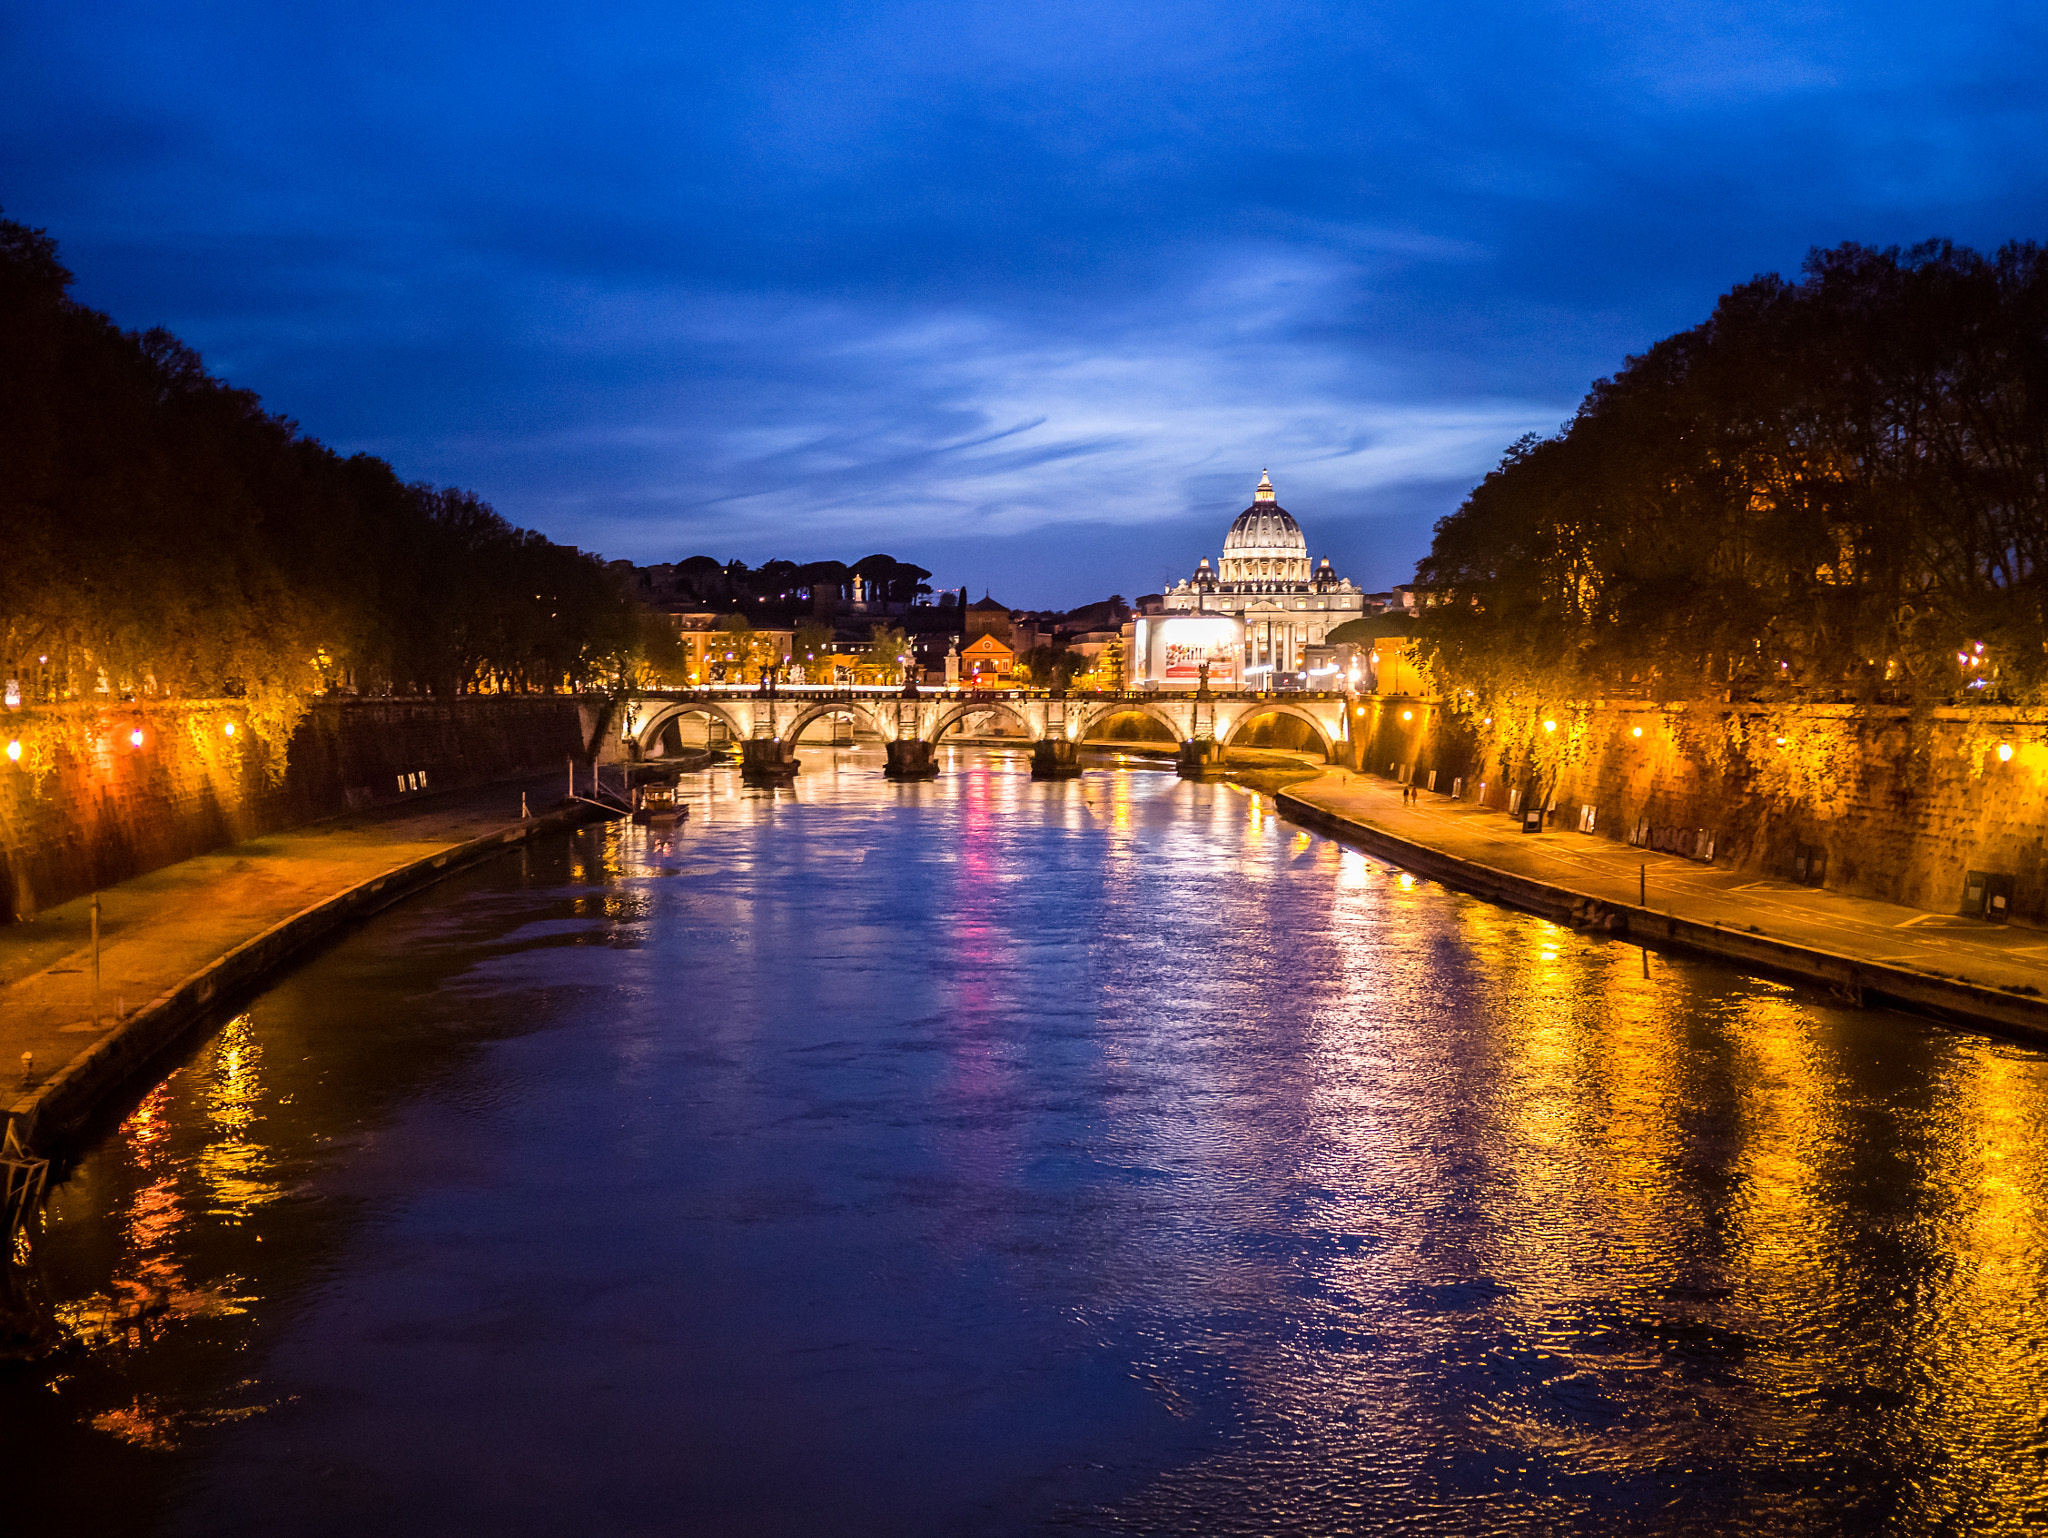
1265 528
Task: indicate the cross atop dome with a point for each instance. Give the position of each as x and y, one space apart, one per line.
1265 491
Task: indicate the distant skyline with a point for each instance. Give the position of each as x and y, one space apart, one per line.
1027 294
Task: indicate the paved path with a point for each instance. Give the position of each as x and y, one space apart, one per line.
1994 955
160 928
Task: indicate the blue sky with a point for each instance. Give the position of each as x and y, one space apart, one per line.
1028 293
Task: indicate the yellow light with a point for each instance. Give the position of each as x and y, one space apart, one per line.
1639 731
1550 726
1780 741
1407 715
14 750
229 728
135 737
2005 752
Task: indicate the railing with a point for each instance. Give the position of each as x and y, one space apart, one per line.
840 694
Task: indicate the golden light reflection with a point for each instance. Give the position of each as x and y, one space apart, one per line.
148 1290
1780 1222
234 1165
1978 1329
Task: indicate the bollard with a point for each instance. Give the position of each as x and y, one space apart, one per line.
524 814
28 1067
1642 886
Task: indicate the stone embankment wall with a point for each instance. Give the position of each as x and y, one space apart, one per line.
1895 804
85 805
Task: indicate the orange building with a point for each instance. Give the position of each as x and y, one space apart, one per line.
986 663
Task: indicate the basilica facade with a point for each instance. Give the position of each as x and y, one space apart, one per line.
1266 583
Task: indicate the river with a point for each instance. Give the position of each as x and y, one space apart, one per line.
988 1156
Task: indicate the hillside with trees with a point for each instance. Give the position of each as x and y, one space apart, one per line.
165 536
1832 489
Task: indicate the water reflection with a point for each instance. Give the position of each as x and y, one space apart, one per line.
1101 1155
219 1177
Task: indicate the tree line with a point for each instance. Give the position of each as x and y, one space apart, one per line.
161 534
778 590
1833 488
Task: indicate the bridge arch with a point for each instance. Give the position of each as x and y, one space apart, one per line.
1265 708
1101 714
649 735
797 724
945 719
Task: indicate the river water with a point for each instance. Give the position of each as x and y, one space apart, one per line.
990 1156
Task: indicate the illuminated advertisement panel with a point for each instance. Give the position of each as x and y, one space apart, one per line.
1177 647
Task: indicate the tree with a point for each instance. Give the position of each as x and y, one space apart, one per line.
1048 667
1831 488
166 536
812 649
888 649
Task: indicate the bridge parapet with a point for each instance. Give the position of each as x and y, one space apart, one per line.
1045 714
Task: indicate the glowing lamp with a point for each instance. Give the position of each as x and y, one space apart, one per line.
1550 726
1407 715
229 728
1639 731
14 751
2005 752
1780 741
135 737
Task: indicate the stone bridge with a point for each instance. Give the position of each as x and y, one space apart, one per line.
768 723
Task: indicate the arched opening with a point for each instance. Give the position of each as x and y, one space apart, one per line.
984 723
1280 730
838 728
1135 726
687 731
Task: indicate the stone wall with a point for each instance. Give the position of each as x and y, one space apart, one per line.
1885 803
100 793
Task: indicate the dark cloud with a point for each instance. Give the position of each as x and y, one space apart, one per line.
1035 287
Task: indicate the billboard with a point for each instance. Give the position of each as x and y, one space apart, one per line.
1176 646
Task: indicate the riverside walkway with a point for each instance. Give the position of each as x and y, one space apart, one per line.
1996 959
160 929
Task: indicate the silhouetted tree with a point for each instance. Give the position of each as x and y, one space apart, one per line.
1836 487
162 534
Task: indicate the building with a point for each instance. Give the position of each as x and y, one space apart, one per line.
1280 603
988 617
1373 654
986 662
713 654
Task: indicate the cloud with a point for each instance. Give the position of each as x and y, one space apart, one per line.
788 420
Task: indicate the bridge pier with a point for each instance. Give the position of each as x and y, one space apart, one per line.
911 758
768 761
1055 758
1201 757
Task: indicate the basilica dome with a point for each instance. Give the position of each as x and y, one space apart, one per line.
1265 544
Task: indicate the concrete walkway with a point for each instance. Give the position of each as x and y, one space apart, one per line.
2000 956
159 929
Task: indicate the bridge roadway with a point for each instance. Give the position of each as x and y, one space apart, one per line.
896 716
